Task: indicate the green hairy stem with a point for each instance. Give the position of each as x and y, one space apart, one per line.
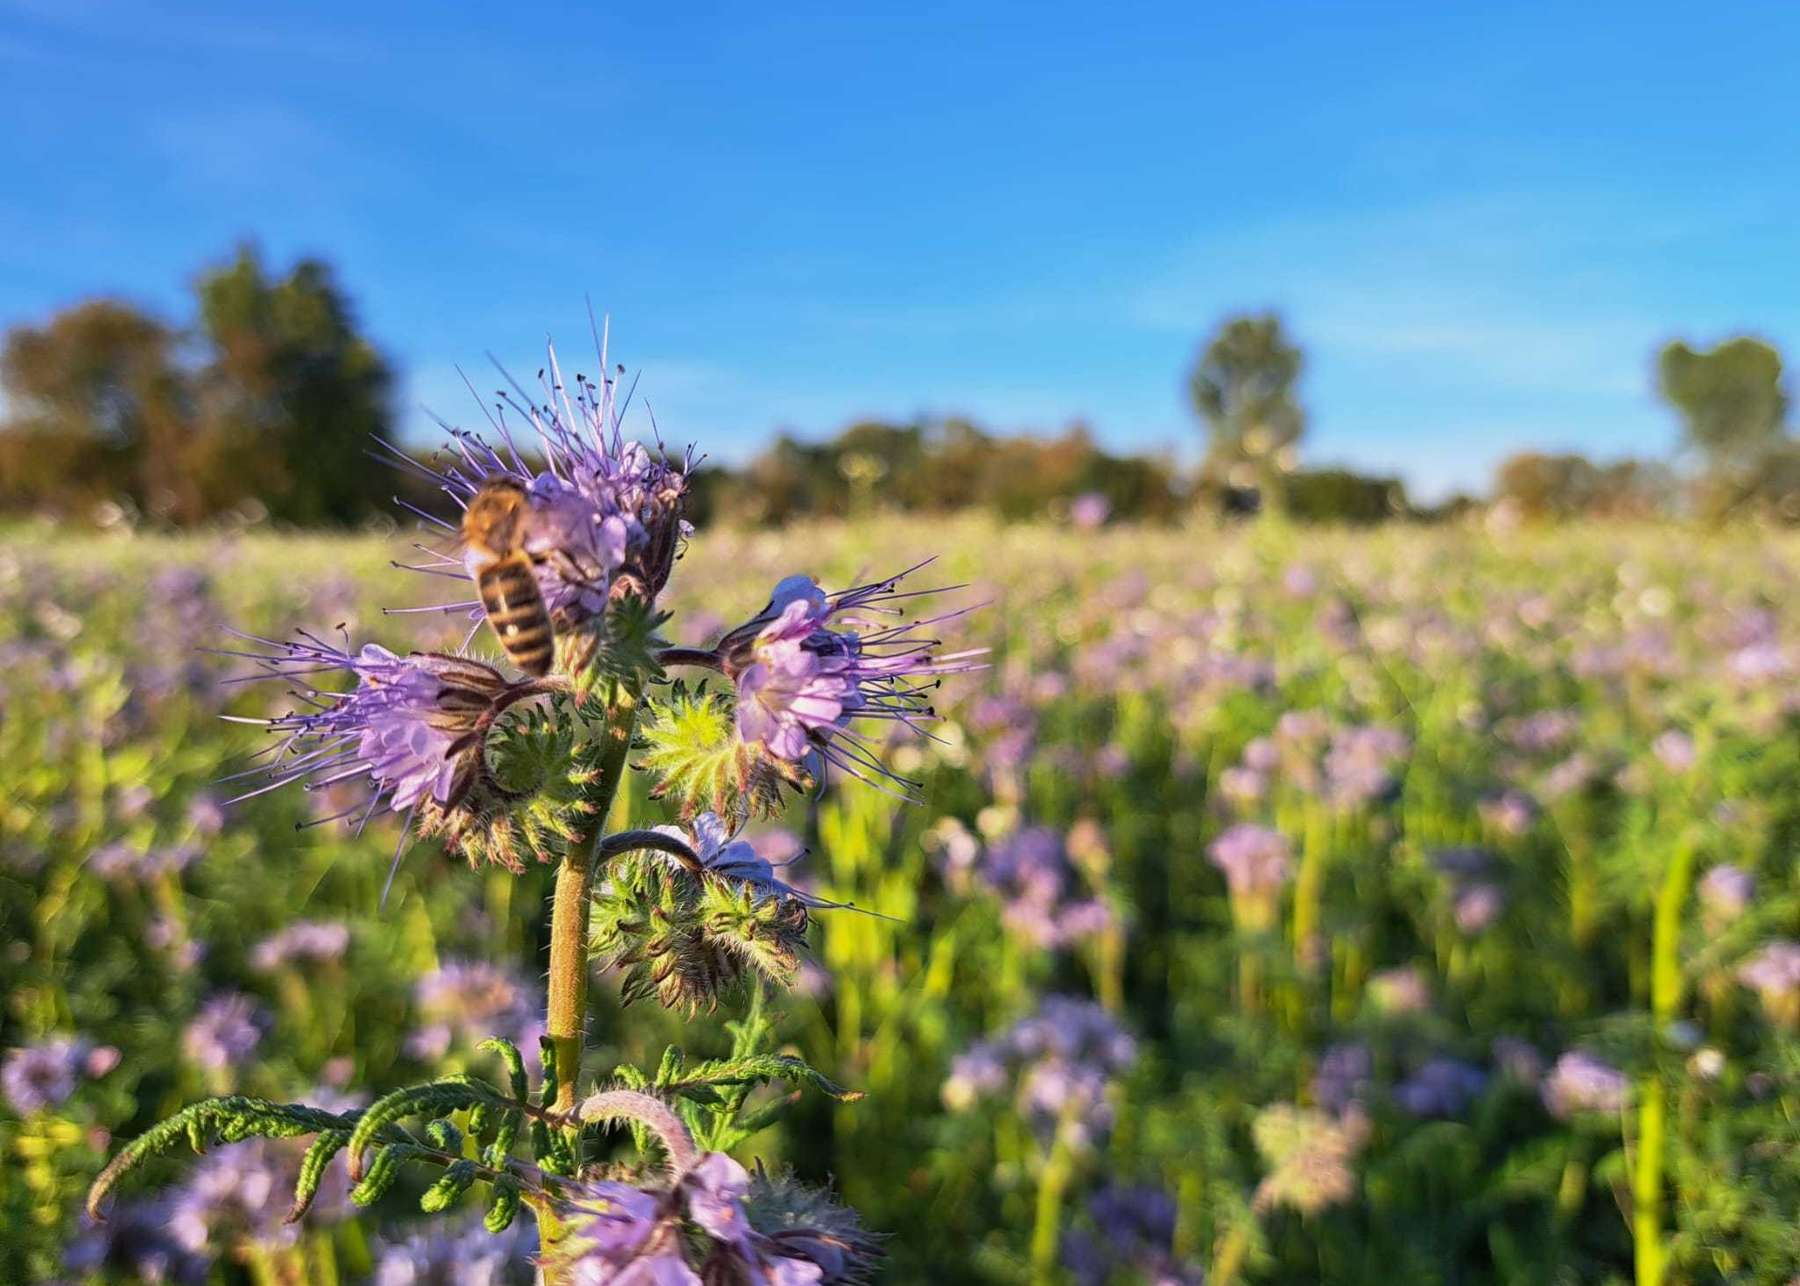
566 1002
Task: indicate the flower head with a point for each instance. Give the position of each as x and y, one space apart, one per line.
412 725
225 1032
42 1076
1579 1082
1774 974
606 511
713 1222
811 662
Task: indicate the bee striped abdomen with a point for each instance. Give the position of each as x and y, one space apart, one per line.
515 608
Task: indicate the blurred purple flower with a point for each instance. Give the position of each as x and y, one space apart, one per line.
1343 1077
1726 891
1440 1087
1255 859
304 940
225 1033
37 1077
465 1254
1675 749
1579 1082
1089 510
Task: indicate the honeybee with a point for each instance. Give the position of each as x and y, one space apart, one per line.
495 527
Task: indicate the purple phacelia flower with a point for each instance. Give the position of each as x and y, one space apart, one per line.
1441 1087
1133 1235
122 860
1773 973
622 1235
1359 765
1476 907
413 726
1675 749
1255 859
810 663
1066 1057
237 1196
607 511
225 1033
1579 1082
463 1255
304 940
467 1001
1089 510
1343 1077
39 1077
1726 891
135 1244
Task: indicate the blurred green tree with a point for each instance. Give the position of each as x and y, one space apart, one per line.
289 369
98 411
1243 385
1730 398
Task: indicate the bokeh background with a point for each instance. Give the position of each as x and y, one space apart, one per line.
1371 854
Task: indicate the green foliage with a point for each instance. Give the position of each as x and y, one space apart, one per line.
1730 397
1243 385
267 407
227 1119
936 467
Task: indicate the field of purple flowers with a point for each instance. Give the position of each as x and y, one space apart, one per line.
1408 906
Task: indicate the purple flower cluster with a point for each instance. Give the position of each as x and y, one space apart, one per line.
225 1032
466 1255
1133 1236
1476 900
1359 765
1441 1087
36 1078
1773 973
464 1002
810 662
1065 1058
124 861
1579 1082
1256 861
412 726
606 510
1725 893
623 1235
1343 1077
1039 887
303 941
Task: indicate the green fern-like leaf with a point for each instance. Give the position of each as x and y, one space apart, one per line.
227 1119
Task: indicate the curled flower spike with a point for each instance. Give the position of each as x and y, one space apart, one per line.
736 862
811 662
606 511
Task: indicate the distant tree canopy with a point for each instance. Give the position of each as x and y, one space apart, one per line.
271 396
1542 487
1244 386
1730 398
938 467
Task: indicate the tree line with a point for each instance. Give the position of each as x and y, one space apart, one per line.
264 405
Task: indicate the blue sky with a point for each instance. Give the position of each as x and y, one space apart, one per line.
1479 219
